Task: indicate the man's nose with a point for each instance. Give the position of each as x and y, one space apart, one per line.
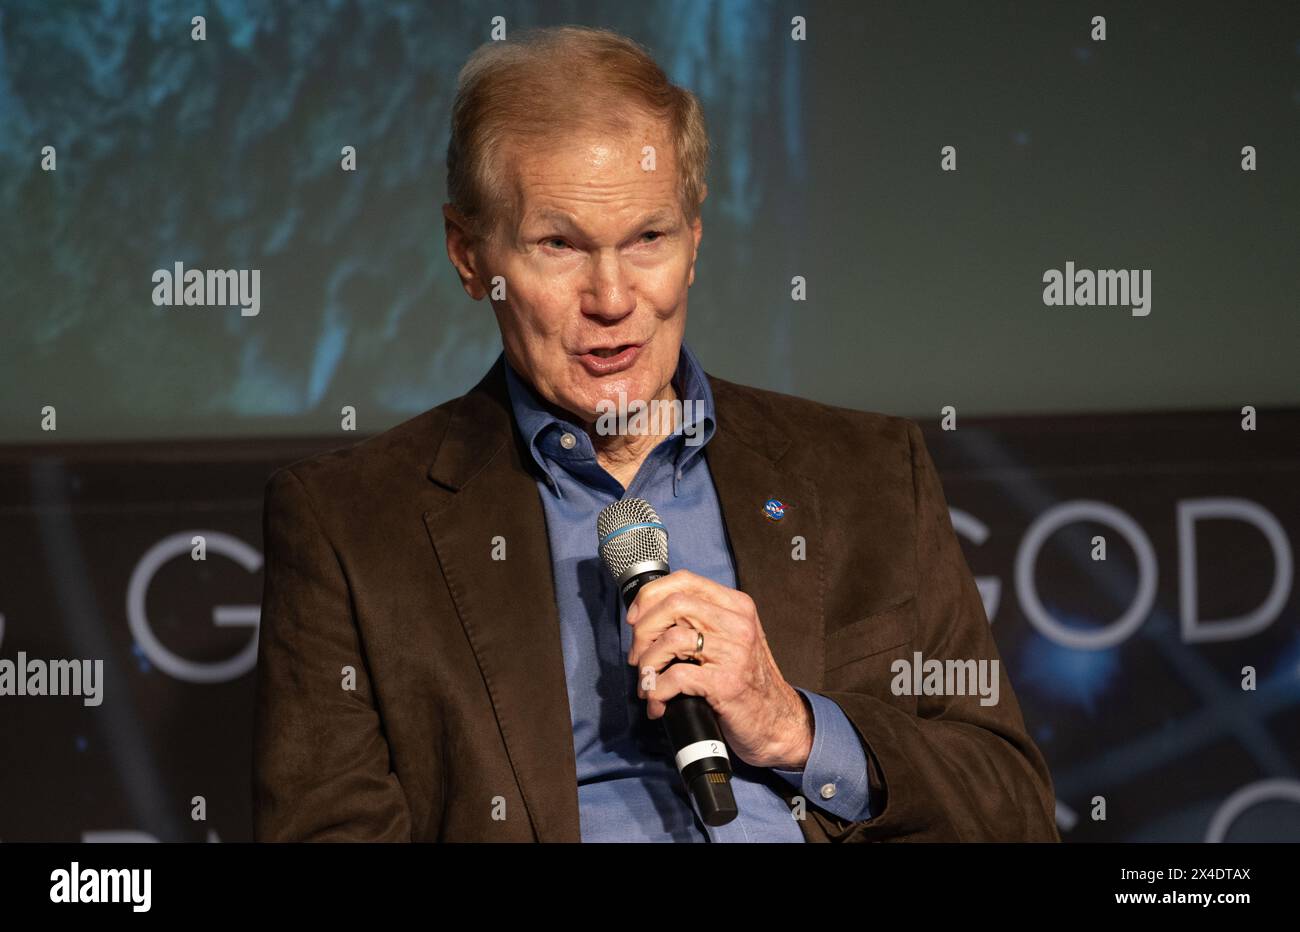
610 293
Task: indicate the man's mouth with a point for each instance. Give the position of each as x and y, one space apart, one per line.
609 351
607 360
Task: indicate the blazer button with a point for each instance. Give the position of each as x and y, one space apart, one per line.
828 790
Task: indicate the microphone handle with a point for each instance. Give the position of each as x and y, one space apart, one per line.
700 751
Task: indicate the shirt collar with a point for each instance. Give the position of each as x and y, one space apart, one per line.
535 421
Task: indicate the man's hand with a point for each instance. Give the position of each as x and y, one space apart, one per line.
763 719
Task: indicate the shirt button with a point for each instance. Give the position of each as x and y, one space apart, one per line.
828 790
568 441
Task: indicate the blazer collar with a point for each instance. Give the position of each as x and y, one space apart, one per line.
508 607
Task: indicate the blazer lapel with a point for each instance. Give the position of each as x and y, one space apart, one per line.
508 606
743 458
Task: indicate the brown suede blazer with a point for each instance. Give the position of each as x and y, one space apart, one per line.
379 561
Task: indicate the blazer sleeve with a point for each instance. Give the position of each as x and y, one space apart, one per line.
957 770
321 768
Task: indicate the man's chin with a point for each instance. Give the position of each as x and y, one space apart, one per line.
608 395
591 409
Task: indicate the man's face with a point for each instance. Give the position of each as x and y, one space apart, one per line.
597 261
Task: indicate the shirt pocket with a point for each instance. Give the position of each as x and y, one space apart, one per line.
858 654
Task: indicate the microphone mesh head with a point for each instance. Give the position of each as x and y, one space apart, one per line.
636 545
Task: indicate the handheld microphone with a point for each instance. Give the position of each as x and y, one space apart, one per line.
633 545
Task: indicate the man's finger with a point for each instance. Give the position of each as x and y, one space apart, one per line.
681 679
677 643
685 581
679 608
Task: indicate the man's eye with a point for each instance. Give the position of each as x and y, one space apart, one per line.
552 240
656 233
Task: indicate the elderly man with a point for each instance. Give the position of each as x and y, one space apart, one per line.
442 654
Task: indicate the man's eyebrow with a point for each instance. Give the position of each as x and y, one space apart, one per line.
551 215
658 218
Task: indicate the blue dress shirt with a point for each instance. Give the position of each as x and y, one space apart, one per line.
628 785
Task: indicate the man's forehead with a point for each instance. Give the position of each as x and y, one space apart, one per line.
613 162
608 161
565 201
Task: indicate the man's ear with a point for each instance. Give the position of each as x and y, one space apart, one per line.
697 231
462 250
